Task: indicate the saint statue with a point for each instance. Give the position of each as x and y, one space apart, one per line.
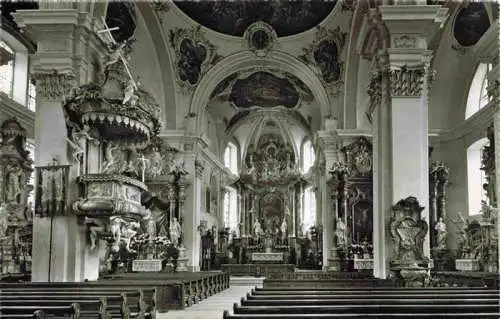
257 228
441 232
175 232
340 232
4 215
14 187
284 230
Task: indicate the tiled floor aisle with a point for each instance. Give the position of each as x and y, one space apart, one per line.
212 307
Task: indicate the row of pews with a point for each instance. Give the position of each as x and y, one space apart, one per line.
138 296
368 302
77 302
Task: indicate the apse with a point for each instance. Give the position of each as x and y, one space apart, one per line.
233 17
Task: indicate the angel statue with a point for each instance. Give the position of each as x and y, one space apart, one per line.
116 231
129 94
128 231
116 53
78 141
257 228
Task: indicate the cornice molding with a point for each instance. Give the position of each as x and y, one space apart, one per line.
26 117
476 123
487 48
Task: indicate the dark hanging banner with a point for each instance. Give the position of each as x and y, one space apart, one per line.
51 190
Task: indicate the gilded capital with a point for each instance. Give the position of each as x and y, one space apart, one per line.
408 81
53 86
199 168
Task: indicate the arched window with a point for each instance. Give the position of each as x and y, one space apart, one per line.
309 209
475 176
308 156
478 94
7 58
31 96
231 209
231 158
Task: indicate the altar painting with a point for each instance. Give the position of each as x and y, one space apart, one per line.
362 221
272 212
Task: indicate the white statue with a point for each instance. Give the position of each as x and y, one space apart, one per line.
128 231
78 141
115 223
4 217
129 94
340 232
175 231
257 228
284 230
116 51
150 224
13 183
441 232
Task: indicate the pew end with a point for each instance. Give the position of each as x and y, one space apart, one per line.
226 315
74 311
39 314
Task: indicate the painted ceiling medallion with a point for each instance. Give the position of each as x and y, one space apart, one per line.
260 38
324 55
234 17
193 53
471 23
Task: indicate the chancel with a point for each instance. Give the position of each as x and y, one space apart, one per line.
286 159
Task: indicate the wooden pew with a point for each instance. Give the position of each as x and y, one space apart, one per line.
121 305
170 293
380 302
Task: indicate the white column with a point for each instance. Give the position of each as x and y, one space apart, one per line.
410 141
192 215
329 141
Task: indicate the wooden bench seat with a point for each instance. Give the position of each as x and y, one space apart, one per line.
360 301
367 308
368 296
359 315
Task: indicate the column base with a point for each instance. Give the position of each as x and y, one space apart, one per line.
182 260
336 262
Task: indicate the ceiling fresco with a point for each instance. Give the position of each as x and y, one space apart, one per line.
471 23
233 17
266 90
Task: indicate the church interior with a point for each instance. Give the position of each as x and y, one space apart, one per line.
155 155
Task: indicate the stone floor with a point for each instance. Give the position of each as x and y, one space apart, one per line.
213 307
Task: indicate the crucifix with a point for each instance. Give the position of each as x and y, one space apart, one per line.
118 49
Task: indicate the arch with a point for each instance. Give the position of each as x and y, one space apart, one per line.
163 55
246 60
477 97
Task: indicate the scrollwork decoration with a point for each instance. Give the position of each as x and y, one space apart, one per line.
194 55
324 55
260 38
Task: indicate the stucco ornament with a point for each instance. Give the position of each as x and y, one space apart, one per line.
194 55
260 38
323 55
407 81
